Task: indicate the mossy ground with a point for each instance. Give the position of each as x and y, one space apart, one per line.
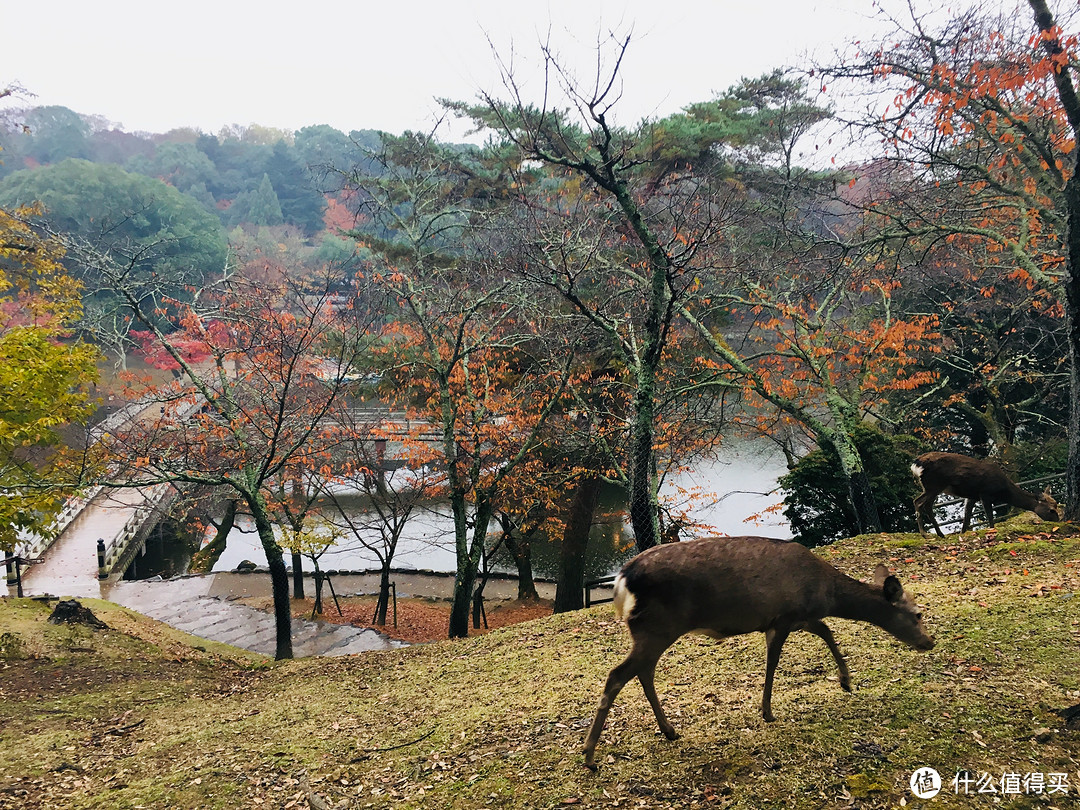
141 716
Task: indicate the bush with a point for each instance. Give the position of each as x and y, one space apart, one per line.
816 495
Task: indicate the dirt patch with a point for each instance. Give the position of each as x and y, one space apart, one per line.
418 620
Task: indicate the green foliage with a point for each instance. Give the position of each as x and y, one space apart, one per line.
180 240
44 377
816 497
239 165
312 540
181 165
1028 460
166 241
301 204
258 207
55 134
326 151
748 124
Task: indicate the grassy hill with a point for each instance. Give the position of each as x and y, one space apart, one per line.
143 716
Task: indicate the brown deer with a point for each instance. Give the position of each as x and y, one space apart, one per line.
729 586
975 479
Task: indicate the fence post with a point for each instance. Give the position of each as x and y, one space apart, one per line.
101 572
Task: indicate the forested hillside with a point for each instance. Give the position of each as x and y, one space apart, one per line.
252 175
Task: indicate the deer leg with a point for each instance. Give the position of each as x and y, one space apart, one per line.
919 514
820 629
645 677
988 508
774 641
924 508
968 509
640 663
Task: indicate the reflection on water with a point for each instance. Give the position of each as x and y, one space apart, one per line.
722 493
731 493
166 553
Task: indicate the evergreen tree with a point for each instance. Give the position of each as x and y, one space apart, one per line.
301 204
258 207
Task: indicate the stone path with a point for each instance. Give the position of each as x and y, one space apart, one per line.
187 604
206 606
70 564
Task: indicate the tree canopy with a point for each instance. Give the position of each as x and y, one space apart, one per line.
45 377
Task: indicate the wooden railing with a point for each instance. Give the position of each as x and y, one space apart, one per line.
597 583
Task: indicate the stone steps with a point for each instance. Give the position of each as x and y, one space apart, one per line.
229 622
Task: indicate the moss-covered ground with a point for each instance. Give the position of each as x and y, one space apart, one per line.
142 716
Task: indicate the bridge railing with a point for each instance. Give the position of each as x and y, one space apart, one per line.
32 545
111 551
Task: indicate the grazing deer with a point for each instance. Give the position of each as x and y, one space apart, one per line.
975 479
729 586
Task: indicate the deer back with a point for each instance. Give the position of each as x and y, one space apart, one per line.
727 586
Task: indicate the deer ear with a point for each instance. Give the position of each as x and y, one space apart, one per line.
890 585
893 590
881 573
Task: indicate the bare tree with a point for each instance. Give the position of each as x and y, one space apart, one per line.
259 367
374 495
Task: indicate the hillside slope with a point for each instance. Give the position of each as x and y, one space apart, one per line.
142 716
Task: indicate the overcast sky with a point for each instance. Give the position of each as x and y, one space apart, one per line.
152 65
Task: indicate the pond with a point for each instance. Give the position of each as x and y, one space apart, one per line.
725 493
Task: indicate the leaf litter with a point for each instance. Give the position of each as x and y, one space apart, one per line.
142 716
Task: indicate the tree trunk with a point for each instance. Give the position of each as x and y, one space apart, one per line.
644 515
318 608
1071 283
864 503
521 549
279 577
478 614
297 575
1071 294
569 592
384 596
203 561
859 490
468 561
1070 103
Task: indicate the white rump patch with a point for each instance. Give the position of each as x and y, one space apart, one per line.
624 600
917 471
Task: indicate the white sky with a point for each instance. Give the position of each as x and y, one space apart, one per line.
152 65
